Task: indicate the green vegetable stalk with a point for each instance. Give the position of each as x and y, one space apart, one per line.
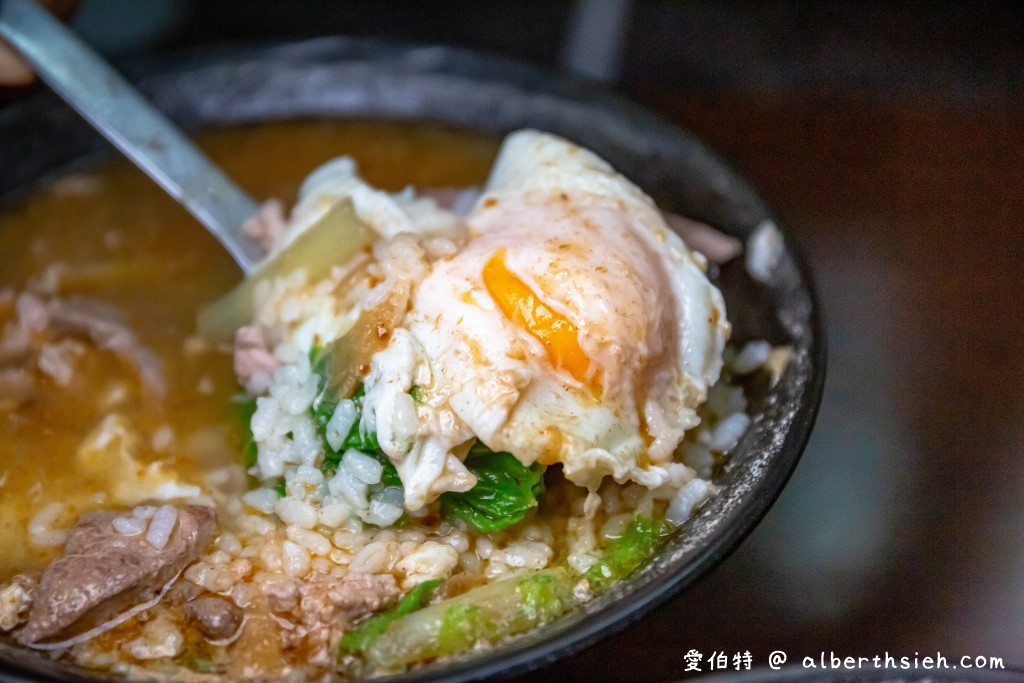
359 639
505 490
486 614
496 611
540 597
629 552
334 239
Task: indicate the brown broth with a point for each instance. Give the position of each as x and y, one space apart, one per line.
118 238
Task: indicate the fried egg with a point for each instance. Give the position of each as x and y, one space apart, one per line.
573 327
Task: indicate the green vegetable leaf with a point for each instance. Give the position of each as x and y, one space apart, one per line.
389 477
355 439
360 441
250 454
359 639
505 490
317 359
322 412
203 666
246 407
322 409
279 486
417 394
330 463
628 552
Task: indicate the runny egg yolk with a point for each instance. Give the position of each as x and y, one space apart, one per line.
524 308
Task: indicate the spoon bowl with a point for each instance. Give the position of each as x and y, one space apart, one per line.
130 123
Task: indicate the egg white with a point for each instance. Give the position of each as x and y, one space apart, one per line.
594 249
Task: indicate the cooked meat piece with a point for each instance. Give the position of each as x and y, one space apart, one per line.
282 595
181 592
103 573
357 595
716 246
105 326
254 364
323 603
95 319
15 346
32 313
217 618
268 227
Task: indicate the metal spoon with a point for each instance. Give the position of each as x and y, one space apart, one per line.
115 109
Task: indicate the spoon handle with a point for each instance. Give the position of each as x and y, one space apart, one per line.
133 125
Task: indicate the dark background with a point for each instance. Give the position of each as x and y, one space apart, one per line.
889 139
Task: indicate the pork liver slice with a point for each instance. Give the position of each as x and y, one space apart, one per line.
102 573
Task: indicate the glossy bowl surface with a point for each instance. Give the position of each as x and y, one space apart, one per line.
339 78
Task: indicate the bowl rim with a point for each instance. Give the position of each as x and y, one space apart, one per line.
519 654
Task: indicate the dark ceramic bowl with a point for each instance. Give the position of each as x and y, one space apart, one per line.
338 78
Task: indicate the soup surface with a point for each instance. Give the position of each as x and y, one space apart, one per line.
111 234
